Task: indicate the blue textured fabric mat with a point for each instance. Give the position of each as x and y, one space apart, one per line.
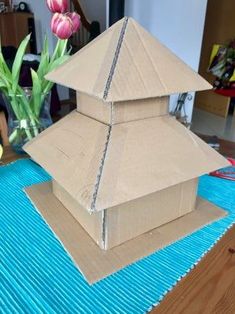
37 275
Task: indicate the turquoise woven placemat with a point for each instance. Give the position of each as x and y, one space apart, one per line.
37 275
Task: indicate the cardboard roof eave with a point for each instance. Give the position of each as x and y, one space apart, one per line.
102 166
127 63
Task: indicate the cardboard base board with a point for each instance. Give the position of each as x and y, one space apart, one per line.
96 263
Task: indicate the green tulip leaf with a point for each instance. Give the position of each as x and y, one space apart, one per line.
57 62
36 93
18 62
45 58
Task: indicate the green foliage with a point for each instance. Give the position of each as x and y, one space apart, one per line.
18 62
45 59
36 93
9 80
24 108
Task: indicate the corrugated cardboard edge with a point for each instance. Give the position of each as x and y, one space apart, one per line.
100 172
107 93
115 59
112 168
96 264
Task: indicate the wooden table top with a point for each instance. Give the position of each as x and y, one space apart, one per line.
210 286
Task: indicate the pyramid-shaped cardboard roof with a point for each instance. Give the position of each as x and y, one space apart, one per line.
127 63
101 166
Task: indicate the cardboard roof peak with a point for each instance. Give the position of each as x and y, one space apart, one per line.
127 63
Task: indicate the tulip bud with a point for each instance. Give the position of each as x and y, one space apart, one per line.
54 22
62 26
57 6
75 18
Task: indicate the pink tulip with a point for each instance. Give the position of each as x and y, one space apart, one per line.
54 21
62 26
75 18
57 6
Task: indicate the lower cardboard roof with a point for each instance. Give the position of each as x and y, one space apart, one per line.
102 166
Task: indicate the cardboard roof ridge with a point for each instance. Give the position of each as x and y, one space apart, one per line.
127 63
113 36
102 166
115 58
104 200
100 172
74 56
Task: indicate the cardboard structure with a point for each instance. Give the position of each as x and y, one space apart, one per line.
96 263
121 166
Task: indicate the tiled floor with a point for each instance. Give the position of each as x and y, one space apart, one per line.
209 124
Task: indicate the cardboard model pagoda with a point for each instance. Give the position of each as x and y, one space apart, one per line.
121 165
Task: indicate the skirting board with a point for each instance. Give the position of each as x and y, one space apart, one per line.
95 263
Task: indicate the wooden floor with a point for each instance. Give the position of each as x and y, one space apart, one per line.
209 287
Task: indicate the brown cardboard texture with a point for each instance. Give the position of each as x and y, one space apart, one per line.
120 156
113 226
95 263
127 63
118 112
103 166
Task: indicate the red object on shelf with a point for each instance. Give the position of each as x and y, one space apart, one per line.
232 161
225 92
226 173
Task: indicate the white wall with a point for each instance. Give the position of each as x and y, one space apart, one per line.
42 19
95 10
178 24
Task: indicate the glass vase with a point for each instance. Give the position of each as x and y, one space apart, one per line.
28 115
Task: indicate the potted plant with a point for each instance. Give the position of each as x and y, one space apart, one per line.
28 108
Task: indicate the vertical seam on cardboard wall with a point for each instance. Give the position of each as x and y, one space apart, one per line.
112 114
115 59
100 172
104 233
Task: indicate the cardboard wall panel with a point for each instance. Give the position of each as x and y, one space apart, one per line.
113 226
93 224
94 108
127 111
95 263
120 112
126 221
